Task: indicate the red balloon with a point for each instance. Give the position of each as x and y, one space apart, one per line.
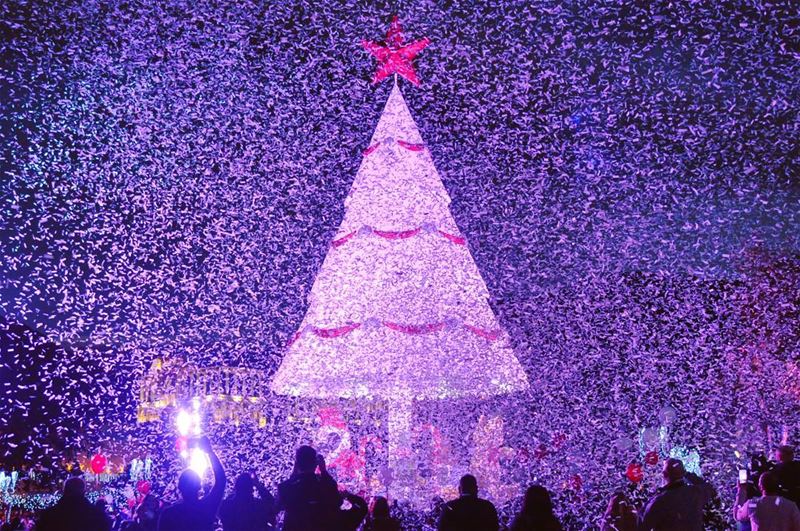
143 487
651 457
634 472
98 463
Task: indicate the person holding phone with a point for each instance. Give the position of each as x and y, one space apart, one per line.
770 511
310 501
194 513
349 519
244 512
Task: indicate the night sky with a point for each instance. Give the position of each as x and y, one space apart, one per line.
173 173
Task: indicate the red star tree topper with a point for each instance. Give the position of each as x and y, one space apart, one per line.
394 57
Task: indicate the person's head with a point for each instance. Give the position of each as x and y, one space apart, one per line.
243 486
468 485
785 454
189 484
380 508
673 470
151 501
537 501
768 483
619 505
147 511
305 459
74 487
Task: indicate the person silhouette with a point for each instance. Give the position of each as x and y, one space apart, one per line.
310 501
73 512
244 512
468 512
788 473
193 513
679 503
349 519
771 510
379 518
537 512
147 512
620 514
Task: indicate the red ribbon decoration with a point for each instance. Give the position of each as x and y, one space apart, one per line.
396 235
411 147
453 238
491 335
343 239
335 332
295 337
370 149
399 235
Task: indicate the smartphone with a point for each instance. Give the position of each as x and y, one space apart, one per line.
742 476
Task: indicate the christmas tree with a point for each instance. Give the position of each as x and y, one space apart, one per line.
399 311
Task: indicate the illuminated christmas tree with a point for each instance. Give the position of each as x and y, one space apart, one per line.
399 311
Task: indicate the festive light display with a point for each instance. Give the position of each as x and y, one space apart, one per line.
394 56
226 394
198 461
424 287
447 346
173 174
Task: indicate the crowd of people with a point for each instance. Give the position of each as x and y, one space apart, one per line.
310 500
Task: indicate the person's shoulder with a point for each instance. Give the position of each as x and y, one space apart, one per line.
661 496
53 509
46 516
453 503
172 509
286 483
486 504
790 505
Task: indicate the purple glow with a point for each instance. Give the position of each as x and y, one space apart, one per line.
624 178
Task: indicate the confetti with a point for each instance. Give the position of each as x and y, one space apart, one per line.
624 177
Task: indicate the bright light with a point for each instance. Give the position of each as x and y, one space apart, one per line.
198 461
196 423
183 422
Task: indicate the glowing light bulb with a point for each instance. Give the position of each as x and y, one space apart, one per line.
198 461
196 423
183 422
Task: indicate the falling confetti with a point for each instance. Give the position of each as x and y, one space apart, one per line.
624 176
